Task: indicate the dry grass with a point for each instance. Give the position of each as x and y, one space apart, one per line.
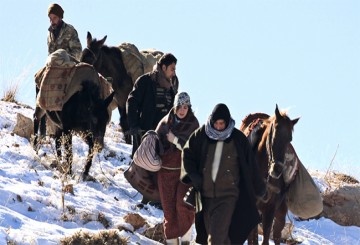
326 177
10 93
103 237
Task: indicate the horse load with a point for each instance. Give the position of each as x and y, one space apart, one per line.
122 64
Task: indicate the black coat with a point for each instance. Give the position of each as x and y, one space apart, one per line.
246 216
141 104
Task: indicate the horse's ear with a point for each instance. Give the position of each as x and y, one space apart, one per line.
108 100
102 41
294 121
88 38
277 112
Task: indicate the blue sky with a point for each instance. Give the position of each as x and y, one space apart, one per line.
301 54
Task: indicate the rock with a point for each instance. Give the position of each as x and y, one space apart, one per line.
155 233
24 126
135 220
342 200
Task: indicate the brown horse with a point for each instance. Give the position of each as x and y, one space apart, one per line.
270 138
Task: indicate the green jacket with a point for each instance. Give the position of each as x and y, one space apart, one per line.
68 39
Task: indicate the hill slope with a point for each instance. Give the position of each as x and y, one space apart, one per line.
40 205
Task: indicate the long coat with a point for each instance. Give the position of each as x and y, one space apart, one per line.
246 216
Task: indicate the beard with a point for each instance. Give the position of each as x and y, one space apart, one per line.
53 26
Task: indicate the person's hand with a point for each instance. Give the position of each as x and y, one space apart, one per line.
135 131
170 136
266 197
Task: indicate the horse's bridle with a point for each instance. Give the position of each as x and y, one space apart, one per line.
272 161
93 54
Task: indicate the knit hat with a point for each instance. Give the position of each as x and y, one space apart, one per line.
56 10
182 99
220 111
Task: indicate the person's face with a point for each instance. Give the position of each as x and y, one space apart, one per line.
169 71
54 20
181 111
220 125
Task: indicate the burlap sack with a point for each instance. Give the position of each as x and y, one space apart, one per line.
138 62
151 56
303 197
24 126
133 60
143 181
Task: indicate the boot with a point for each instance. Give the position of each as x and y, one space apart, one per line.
186 238
174 241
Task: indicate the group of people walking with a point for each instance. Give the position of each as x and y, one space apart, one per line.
215 159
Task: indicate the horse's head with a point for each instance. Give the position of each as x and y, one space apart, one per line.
91 53
279 136
100 117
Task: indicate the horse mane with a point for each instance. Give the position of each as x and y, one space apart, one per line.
111 50
91 88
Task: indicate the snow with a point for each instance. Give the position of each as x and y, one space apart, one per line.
31 206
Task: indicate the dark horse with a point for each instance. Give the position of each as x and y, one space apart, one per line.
270 138
84 112
109 63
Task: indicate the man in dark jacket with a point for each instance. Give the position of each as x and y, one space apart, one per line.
151 98
217 160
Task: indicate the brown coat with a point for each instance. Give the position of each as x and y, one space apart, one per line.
245 216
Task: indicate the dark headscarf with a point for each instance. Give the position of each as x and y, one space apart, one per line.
220 111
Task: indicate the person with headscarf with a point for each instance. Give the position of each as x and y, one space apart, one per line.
218 162
174 130
61 34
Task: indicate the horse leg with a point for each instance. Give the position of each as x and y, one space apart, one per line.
37 117
253 237
43 126
124 124
267 221
68 151
58 135
90 141
279 222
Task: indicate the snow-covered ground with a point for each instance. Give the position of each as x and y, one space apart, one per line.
35 210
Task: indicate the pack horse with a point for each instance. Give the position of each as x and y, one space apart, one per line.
84 111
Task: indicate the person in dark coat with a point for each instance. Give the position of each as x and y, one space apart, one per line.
174 130
150 100
217 161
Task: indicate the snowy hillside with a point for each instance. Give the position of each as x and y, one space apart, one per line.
39 205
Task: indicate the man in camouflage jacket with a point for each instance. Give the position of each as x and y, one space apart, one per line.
62 35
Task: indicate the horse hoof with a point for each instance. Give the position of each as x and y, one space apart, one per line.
87 177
